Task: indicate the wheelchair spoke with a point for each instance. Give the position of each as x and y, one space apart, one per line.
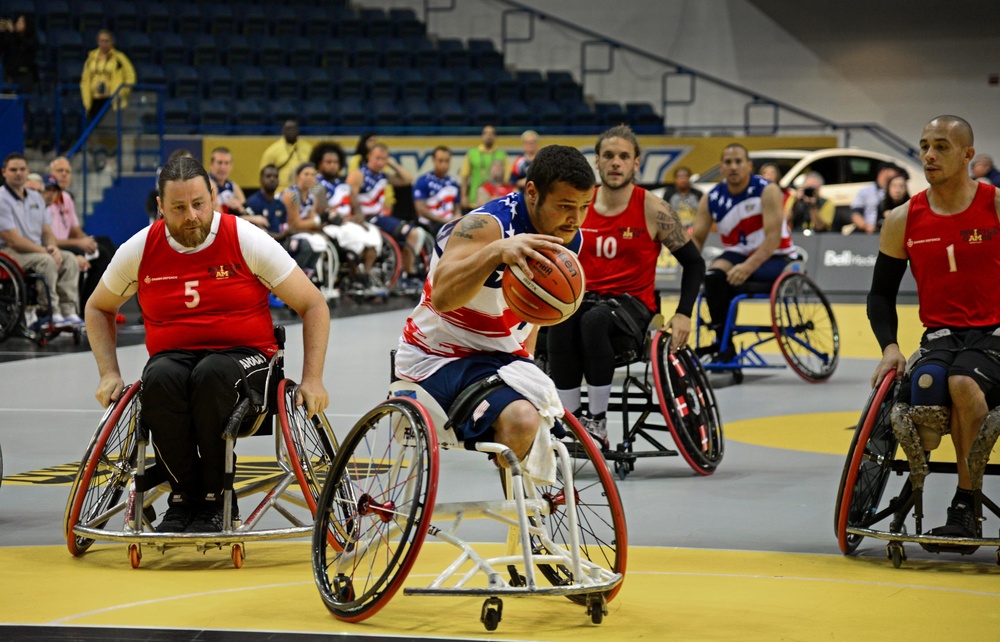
804 326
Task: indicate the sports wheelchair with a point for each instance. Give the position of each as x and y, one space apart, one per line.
873 457
801 322
117 484
376 509
19 299
669 391
333 272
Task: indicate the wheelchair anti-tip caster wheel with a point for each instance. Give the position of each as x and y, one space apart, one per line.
134 555
894 551
239 555
492 613
597 608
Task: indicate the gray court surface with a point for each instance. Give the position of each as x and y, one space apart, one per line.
760 498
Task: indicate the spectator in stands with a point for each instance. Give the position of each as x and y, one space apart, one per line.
476 166
228 194
810 212
771 172
96 251
519 168
305 201
266 204
349 228
682 198
105 70
287 154
864 208
495 187
19 52
35 182
26 236
436 194
984 170
896 194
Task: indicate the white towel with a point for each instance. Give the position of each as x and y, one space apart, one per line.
527 379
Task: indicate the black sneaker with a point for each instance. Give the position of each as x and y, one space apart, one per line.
961 522
207 520
176 519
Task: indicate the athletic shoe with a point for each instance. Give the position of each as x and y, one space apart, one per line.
961 522
598 429
71 321
208 519
176 519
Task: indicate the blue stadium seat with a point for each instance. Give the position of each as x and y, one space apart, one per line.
515 113
217 82
505 86
270 53
318 113
284 83
483 54
348 25
221 19
66 46
413 84
136 45
405 23
352 113
53 15
204 50
610 114
285 23
548 113
563 87
333 53
69 71
453 54
320 23
251 83
214 116
481 112
172 49
156 18
249 113
417 113
178 117
386 113
474 85
253 21
381 85
301 52
533 86
375 23
72 118
149 74
236 50
89 16
362 52
188 18
350 84
125 18
281 110
396 55
450 113
443 84
579 114
425 55
642 115
182 81
317 83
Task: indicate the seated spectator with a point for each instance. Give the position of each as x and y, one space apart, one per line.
682 198
436 194
771 172
519 169
19 53
287 154
26 236
366 141
228 194
92 254
895 195
864 208
35 182
983 170
264 203
304 201
495 187
810 212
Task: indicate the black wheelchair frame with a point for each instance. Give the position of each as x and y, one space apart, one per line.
18 293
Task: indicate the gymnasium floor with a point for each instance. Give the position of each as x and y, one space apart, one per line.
747 553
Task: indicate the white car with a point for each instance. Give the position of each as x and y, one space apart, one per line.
844 171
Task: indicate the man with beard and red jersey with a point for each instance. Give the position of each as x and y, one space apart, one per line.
203 279
950 236
625 229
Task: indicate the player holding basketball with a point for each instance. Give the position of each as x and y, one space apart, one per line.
462 331
625 229
949 235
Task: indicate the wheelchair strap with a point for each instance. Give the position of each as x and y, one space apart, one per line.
467 401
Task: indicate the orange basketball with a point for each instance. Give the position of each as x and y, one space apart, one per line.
554 294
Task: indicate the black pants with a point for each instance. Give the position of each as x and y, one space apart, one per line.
90 278
586 343
187 398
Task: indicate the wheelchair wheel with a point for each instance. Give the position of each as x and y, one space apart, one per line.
105 471
805 327
13 297
869 463
375 509
389 261
310 443
600 516
688 405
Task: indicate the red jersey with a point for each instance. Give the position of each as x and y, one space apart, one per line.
498 191
618 255
955 260
204 300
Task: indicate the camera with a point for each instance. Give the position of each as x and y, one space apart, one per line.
809 192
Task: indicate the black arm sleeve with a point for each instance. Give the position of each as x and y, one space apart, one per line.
882 298
693 274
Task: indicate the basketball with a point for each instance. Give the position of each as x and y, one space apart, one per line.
553 295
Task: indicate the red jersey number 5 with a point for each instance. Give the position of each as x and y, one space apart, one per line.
192 293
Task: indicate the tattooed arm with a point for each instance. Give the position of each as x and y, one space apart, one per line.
663 224
475 249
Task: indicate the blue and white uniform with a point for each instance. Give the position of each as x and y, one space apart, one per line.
432 339
350 236
740 218
442 194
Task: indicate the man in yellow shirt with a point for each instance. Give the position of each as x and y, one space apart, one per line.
476 166
287 153
105 70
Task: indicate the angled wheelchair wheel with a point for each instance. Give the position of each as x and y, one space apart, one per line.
310 442
805 327
13 297
687 402
600 516
389 261
869 463
102 483
375 509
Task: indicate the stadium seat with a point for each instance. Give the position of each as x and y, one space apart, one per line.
284 83
156 18
413 84
533 86
417 113
318 113
396 55
481 112
386 113
348 25
610 114
253 21
188 19
217 82
66 46
483 54
579 114
562 87
236 50
548 113
405 23
269 51
333 53
515 113
177 116
147 74
89 16
320 23
302 53
362 52
444 85
249 113
251 83
450 113
317 83
54 15
221 20
425 55
172 49
381 85
505 86
125 18
375 24
474 85
349 85
643 115
214 116
285 23
182 81
453 54
281 110
351 112
204 51
136 45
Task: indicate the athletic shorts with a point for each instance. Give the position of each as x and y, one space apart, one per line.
769 271
447 384
973 353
